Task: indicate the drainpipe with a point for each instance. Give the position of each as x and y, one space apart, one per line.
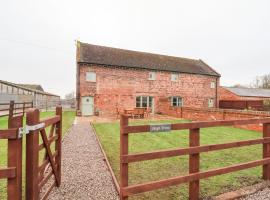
217 85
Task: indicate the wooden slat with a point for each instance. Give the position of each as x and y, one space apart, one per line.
50 155
194 164
51 120
45 180
48 191
9 133
50 141
186 151
195 125
139 188
123 151
46 162
15 160
9 172
266 152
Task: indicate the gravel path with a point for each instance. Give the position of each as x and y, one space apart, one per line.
260 195
84 172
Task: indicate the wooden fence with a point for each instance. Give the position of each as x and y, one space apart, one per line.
37 176
194 150
10 109
242 104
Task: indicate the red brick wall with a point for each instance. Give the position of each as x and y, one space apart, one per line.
206 114
118 87
225 94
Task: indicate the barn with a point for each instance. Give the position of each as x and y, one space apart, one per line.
27 93
111 79
242 93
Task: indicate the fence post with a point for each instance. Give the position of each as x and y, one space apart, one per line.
23 108
11 111
266 152
194 164
58 144
14 189
32 156
123 151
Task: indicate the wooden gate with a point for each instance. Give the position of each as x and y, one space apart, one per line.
194 150
37 175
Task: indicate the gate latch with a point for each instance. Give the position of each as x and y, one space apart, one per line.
29 128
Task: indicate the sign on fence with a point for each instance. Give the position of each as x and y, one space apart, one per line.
160 128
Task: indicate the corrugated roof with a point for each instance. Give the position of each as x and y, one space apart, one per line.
94 54
32 86
27 88
249 92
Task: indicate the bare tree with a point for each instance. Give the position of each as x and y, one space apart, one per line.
261 82
70 95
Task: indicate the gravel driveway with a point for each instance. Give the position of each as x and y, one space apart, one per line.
260 195
84 173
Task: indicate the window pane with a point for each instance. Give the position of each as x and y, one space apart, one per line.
144 102
152 76
150 101
91 76
174 77
138 102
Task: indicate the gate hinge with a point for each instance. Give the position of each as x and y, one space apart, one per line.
29 128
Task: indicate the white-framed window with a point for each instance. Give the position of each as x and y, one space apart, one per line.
212 84
152 76
211 103
177 101
174 77
91 76
144 101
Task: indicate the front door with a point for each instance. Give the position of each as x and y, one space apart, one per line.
87 106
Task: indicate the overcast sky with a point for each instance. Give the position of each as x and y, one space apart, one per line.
37 38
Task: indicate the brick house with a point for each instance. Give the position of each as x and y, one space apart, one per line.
110 79
240 93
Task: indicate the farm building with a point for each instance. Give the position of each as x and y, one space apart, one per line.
111 80
26 93
240 93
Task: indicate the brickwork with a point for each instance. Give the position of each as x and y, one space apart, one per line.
117 87
206 114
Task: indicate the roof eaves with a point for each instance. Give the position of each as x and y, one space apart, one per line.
136 67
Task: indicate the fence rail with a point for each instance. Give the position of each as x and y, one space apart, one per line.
10 109
194 150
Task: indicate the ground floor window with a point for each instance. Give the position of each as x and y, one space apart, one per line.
144 101
177 101
210 103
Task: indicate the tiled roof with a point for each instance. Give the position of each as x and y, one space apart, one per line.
93 54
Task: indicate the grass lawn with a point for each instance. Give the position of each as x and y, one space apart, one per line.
158 169
68 118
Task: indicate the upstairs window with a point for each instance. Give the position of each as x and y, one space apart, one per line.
212 84
174 77
177 101
152 76
91 76
210 103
